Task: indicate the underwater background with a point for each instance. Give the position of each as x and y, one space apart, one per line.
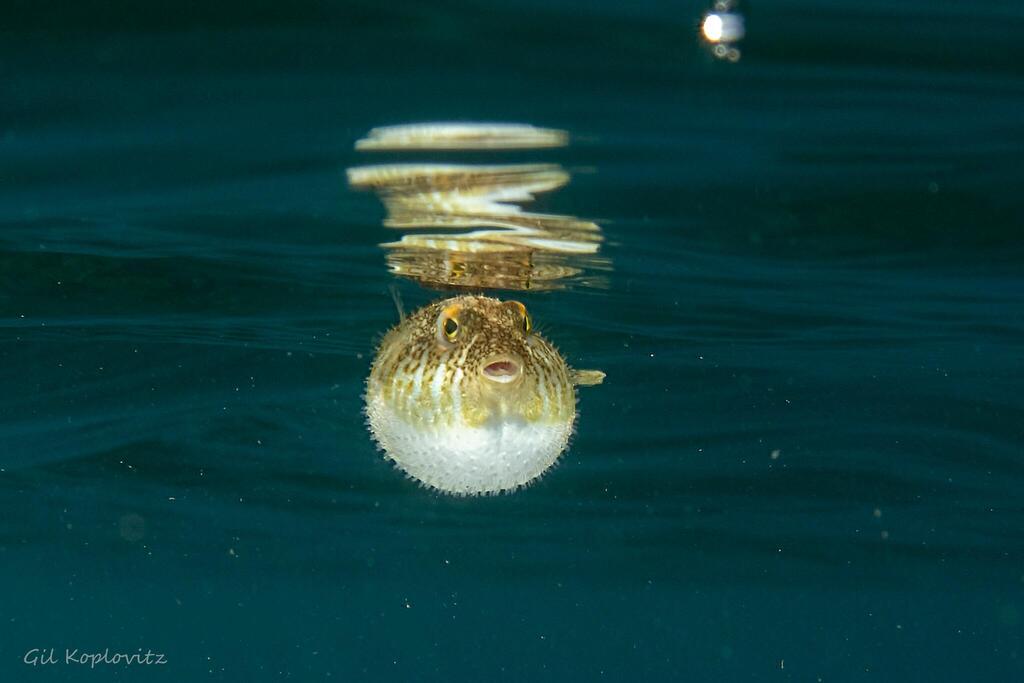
806 462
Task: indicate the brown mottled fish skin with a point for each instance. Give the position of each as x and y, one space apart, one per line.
405 373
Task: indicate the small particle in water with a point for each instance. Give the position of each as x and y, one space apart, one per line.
132 527
776 453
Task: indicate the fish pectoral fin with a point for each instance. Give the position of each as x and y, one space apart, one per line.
587 378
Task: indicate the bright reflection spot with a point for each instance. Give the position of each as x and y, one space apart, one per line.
713 27
723 27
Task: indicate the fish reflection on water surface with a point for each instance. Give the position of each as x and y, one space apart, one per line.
508 248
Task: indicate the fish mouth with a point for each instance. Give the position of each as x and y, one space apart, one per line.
503 370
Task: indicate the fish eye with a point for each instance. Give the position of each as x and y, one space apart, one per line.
521 309
448 325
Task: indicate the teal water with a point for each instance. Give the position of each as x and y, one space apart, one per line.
816 253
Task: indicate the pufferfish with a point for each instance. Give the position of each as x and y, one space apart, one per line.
467 398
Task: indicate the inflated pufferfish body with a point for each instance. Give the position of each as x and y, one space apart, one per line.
466 398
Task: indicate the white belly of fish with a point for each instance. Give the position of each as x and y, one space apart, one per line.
501 455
